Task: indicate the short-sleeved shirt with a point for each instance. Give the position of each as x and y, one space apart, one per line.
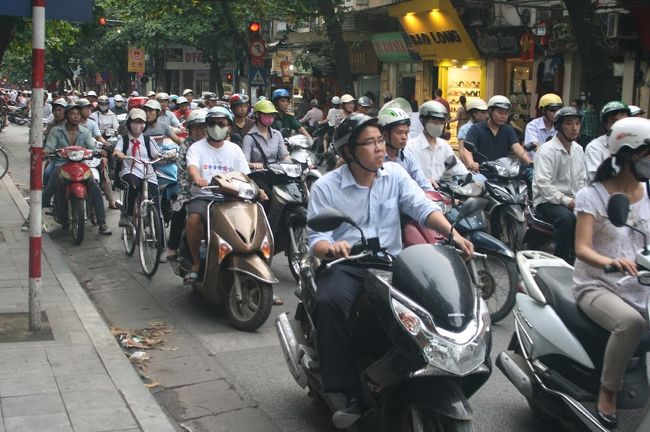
138 151
274 148
158 129
242 131
92 126
462 132
375 209
432 159
286 123
612 242
169 118
212 161
492 146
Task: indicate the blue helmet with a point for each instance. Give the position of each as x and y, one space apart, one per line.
280 93
219 112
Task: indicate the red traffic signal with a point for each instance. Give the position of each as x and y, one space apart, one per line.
254 27
229 77
102 21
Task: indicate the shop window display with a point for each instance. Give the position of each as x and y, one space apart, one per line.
520 82
461 81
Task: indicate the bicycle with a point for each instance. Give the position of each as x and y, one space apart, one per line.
146 227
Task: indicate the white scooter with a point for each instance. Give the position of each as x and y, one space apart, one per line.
555 357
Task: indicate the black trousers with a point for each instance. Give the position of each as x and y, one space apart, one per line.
176 226
564 221
56 186
338 288
134 187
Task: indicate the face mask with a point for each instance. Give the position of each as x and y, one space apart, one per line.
217 133
137 128
103 108
119 104
267 120
434 130
641 170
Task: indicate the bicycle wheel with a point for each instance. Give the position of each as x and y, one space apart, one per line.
4 162
129 239
150 237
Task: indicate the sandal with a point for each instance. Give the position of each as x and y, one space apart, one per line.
113 206
190 278
277 301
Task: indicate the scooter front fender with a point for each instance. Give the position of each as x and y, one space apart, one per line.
253 265
484 242
516 212
444 396
77 189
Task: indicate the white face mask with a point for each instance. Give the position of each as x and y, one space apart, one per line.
217 133
434 130
137 128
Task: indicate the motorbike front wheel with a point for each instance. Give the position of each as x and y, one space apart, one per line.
298 238
77 219
249 313
498 279
412 418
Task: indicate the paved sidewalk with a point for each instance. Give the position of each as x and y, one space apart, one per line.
81 380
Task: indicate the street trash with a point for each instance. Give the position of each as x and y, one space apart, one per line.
142 339
139 357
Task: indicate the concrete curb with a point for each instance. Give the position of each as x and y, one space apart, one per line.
141 402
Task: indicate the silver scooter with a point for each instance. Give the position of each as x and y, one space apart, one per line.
555 357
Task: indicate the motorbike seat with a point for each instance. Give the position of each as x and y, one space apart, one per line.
556 284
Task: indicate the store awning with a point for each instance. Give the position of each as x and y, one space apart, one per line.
435 29
394 47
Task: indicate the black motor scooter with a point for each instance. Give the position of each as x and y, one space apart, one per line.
421 330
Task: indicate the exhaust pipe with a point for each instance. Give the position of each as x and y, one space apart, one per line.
289 346
515 374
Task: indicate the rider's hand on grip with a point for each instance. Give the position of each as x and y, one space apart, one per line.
623 265
339 249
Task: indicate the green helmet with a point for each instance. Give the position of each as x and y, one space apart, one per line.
612 108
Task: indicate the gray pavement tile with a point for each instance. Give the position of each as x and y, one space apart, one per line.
199 400
95 399
20 365
28 354
181 371
22 385
57 422
102 420
245 420
21 406
74 360
84 383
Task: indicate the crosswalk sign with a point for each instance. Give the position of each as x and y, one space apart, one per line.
257 77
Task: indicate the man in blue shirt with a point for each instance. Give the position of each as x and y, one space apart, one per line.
372 192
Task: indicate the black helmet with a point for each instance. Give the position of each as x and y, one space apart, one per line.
71 107
349 128
563 113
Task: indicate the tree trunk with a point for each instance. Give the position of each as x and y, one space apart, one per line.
6 33
239 39
597 67
335 33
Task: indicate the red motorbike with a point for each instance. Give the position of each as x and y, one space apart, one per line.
76 176
413 233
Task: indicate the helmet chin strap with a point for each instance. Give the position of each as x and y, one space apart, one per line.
400 152
358 162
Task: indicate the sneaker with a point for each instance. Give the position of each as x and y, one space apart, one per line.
124 221
25 226
346 417
105 230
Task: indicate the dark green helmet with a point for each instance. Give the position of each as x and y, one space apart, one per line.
612 108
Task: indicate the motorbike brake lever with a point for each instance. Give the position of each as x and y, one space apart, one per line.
348 258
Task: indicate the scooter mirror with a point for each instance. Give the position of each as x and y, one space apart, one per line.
468 179
644 279
617 209
450 162
470 146
328 220
470 207
530 146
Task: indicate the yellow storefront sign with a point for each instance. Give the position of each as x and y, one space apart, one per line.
136 59
435 29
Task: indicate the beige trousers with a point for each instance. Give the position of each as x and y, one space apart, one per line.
625 325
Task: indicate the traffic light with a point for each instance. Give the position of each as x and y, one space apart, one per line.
102 21
254 28
229 77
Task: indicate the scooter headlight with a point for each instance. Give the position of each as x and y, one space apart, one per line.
75 155
500 193
456 359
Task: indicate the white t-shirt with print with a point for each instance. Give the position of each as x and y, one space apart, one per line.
212 161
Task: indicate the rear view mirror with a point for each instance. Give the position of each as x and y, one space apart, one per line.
328 220
450 162
470 146
467 180
618 209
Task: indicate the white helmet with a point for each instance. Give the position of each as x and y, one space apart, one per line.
196 117
181 100
391 117
162 96
635 110
499 101
476 104
336 100
118 98
347 98
153 104
91 93
632 132
434 109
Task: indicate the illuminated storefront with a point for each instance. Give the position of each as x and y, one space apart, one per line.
451 62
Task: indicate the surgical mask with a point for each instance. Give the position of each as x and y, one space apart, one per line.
137 128
641 170
267 120
218 133
434 130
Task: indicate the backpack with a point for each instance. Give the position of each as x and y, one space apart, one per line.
125 148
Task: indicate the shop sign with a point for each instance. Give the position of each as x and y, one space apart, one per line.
435 29
500 42
363 59
394 47
184 58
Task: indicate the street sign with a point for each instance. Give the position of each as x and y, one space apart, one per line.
257 50
136 59
67 10
257 76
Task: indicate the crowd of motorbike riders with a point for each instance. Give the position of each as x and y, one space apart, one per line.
387 158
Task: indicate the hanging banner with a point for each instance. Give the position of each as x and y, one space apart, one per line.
136 59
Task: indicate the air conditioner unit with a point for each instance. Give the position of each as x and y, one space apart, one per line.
620 25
